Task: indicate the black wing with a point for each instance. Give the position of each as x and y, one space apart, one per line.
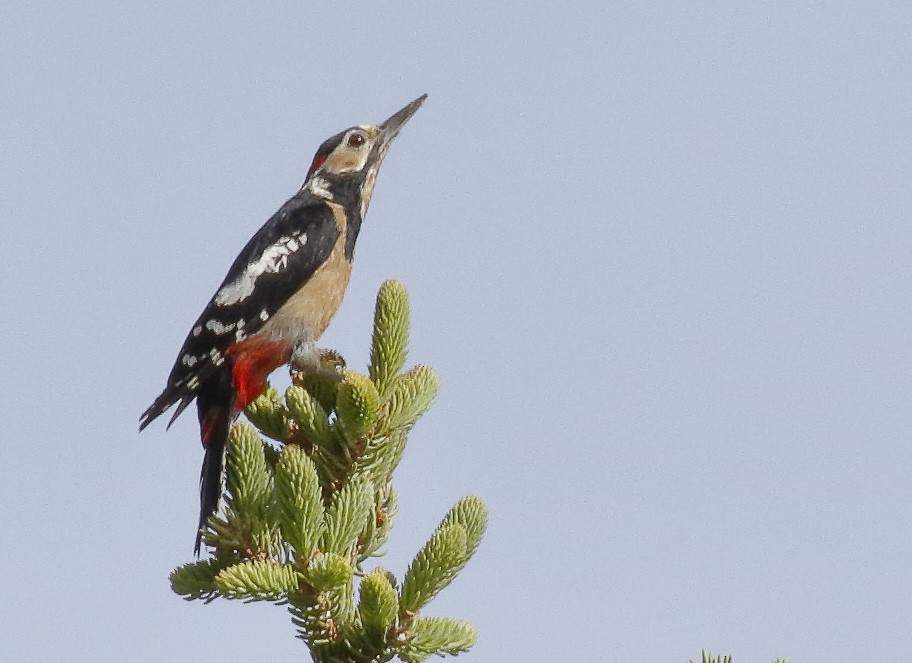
274 264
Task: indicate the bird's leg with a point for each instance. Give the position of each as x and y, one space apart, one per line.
307 358
304 356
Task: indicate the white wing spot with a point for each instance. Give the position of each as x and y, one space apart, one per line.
189 361
218 327
197 330
264 315
272 260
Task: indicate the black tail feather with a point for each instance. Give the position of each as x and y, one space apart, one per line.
171 395
211 481
215 406
163 402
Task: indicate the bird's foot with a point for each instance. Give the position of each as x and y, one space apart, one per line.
307 359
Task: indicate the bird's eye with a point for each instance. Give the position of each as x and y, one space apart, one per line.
355 140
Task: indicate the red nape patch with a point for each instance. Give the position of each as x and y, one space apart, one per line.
319 160
254 359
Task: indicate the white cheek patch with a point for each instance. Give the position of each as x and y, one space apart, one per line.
273 259
368 189
319 187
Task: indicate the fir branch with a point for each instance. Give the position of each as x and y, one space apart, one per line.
377 532
267 412
309 415
389 345
298 501
322 386
411 395
347 516
707 657
379 602
380 457
328 571
437 635
434 567
257 580
196 580
299 522
250 482
470 512
357 405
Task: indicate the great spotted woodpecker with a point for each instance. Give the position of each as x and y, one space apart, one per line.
278 296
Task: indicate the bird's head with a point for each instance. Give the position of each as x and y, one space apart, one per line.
347 164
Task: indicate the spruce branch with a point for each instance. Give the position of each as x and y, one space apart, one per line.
437 635
308 413
434 567
196 580
299 502
328 571
323 384
248 477
257 580
268 414
470 512
411 395
379 603
389 346
299 521
707 657
357 405
347 515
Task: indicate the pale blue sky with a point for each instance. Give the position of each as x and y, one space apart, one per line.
658 252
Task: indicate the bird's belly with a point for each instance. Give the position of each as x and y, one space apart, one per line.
307 313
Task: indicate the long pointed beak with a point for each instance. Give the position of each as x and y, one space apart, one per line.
391 127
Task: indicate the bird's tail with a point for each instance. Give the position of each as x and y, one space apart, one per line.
215 406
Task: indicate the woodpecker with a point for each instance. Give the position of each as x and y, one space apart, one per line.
278 297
